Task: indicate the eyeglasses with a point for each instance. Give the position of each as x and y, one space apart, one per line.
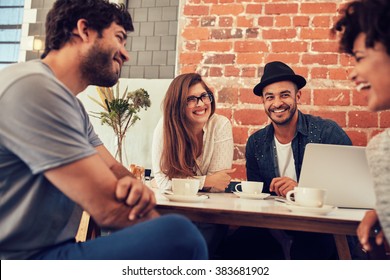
192 100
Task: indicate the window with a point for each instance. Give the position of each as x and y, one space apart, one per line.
11 17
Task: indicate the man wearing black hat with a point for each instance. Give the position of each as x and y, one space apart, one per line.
274 156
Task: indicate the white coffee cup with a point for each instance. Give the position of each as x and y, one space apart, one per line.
307 197
185 186
250 187
201 181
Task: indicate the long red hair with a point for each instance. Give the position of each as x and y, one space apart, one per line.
180 144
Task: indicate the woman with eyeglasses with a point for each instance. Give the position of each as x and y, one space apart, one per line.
191 140
365 34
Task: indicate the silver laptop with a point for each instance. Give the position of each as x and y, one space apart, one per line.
341 170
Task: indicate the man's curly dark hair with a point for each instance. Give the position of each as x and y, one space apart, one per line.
99 14
371 17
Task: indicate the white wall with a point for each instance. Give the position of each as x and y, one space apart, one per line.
139 137
26 41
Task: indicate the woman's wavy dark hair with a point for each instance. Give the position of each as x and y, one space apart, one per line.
368 16
63 17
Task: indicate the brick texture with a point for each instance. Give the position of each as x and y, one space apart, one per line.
229 41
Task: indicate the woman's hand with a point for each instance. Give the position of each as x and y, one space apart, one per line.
219 180
367 225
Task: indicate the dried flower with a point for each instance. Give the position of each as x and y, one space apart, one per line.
120 111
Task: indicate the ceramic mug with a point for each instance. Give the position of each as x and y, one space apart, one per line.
250 187
185 186
307 197
201 180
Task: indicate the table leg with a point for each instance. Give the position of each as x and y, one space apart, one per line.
342 246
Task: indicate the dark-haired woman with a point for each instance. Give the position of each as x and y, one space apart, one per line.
365 34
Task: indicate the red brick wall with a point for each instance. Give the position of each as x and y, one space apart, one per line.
229 41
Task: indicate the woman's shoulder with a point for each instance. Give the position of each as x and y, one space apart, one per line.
218 124
160 121
218 120
158 129
379 143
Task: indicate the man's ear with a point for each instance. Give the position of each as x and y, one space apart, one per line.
82 29
298 96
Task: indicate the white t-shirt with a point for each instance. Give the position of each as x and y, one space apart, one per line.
285 160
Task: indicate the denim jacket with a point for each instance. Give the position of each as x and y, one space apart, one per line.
261 157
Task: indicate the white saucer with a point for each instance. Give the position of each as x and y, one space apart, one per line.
252 195
186 198
313 210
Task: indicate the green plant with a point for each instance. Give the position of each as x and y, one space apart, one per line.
120 110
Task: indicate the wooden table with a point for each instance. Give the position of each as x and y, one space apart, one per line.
227 208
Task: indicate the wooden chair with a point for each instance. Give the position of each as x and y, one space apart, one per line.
88 229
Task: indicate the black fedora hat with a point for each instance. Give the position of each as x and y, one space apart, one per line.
277 71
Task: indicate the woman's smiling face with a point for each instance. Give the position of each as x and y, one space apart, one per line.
198 115
372 73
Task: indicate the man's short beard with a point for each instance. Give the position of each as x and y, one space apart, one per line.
96 68
292 112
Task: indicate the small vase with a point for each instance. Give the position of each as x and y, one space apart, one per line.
120 150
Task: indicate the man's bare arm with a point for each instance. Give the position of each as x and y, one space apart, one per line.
91 184
116 167
136 193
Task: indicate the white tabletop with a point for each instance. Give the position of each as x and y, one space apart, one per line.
228 208
230 201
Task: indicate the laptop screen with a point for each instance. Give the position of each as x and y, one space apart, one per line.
341 170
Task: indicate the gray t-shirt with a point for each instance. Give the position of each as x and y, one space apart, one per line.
42 126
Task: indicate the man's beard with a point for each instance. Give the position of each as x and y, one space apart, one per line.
291 110
96 67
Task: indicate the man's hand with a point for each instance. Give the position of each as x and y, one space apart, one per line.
150 215
367 225
281 185
219 180
134 193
